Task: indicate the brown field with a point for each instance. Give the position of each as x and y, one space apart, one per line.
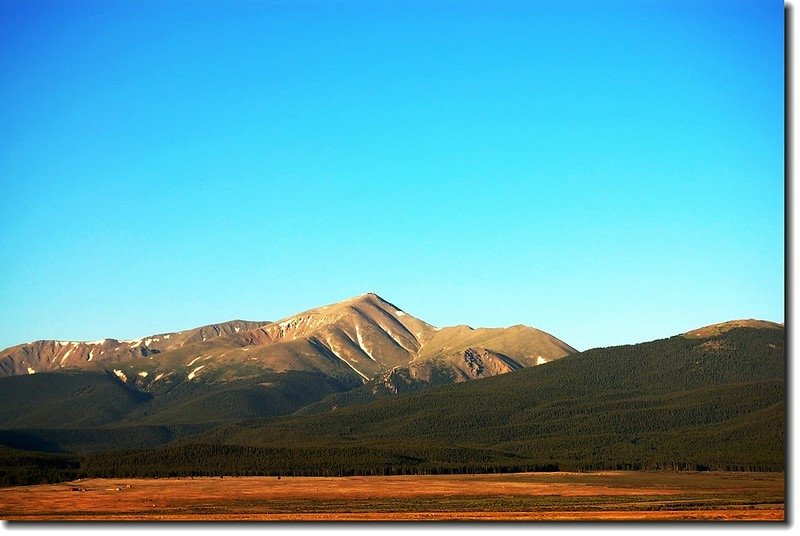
599 496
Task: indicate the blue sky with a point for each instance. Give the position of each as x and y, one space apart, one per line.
610 172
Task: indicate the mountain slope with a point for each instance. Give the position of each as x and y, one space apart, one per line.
454 355
77 398
718 329
672 401
461 353
708 402
366 333
245 370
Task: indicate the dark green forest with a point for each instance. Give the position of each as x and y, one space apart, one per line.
681 403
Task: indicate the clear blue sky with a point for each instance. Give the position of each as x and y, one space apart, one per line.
610 172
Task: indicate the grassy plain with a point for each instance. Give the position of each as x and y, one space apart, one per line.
594 496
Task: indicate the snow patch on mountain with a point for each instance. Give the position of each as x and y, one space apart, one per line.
362 345
66 355
345 361
192 374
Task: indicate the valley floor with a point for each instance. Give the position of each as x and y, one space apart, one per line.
597 496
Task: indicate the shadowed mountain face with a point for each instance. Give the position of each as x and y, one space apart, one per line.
241 366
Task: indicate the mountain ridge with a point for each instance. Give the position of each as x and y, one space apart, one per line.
48 354
288 363
366 333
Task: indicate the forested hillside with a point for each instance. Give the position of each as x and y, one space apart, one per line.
713 402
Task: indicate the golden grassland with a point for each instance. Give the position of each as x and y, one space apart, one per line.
594 496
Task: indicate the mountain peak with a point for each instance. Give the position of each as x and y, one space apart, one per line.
717 329
368 296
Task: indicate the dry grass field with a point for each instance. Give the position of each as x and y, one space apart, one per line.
599 496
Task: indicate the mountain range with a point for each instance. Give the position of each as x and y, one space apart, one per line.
241 369
363 387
